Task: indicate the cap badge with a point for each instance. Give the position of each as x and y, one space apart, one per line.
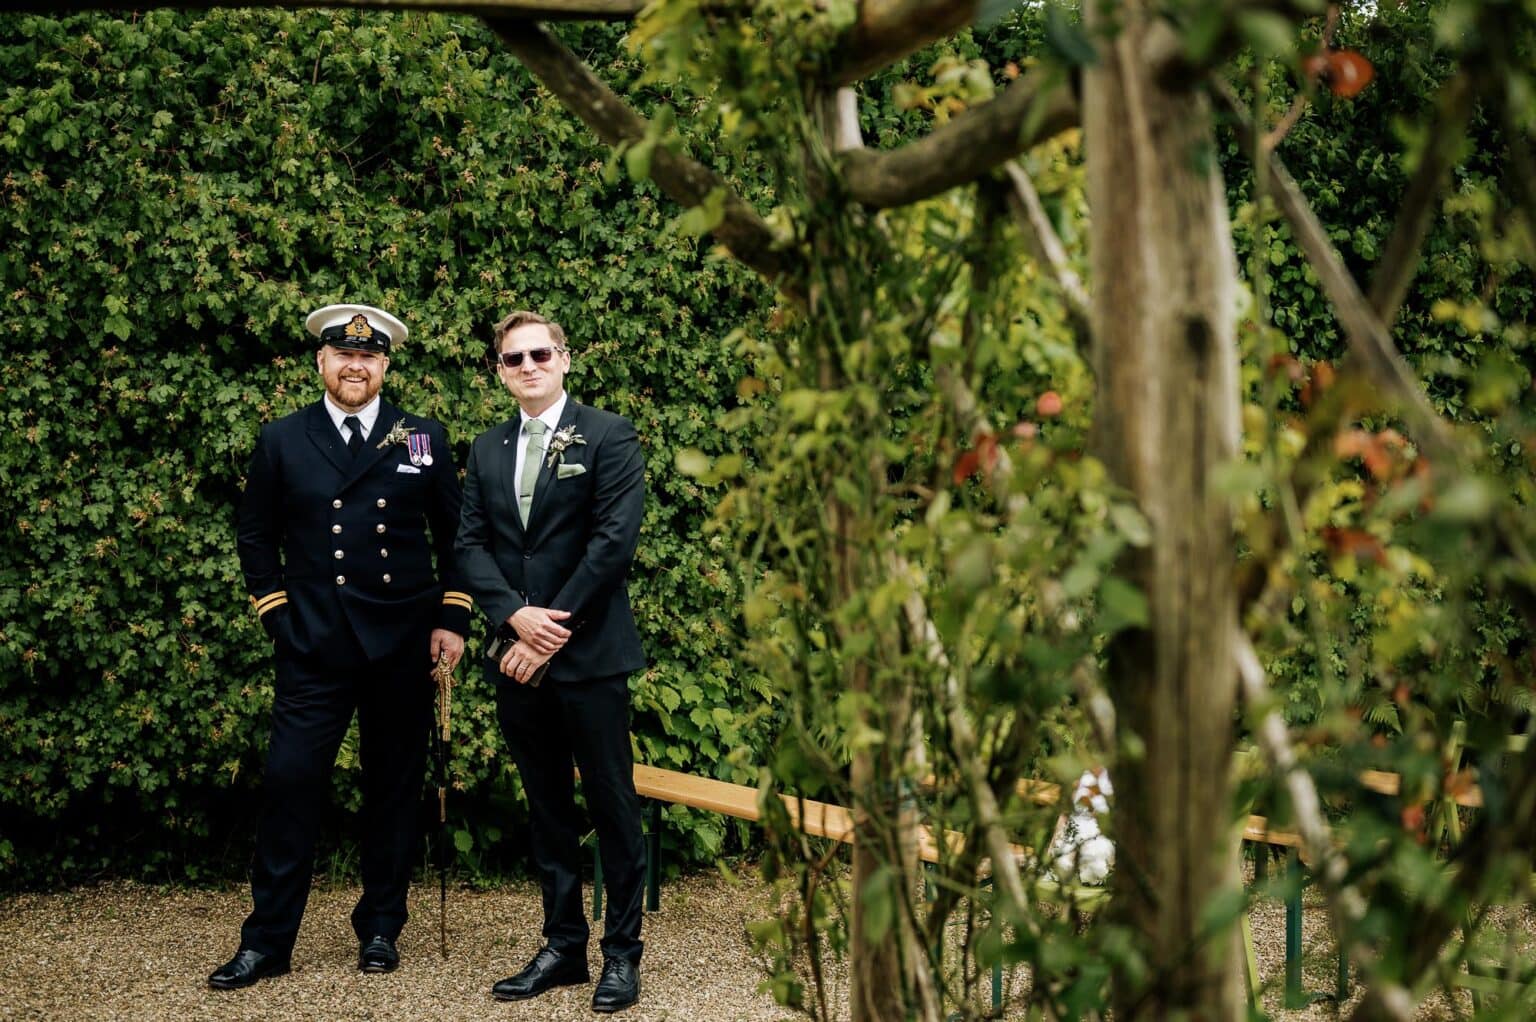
359 327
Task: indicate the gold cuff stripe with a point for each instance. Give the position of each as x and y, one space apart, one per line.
455 594
270 606
270 600
458 600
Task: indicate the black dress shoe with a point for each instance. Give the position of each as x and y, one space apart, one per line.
548 969
618 987
378 955
246 968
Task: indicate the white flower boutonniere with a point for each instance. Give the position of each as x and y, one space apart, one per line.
399 433
562 438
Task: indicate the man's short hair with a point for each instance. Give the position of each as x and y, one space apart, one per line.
522 317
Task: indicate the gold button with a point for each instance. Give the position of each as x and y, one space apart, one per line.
383 552
341 580
386 578
340 555
335 528
382 502
336 503
379 528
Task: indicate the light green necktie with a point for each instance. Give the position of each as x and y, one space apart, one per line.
531 463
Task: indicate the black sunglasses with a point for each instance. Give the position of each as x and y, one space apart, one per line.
513 359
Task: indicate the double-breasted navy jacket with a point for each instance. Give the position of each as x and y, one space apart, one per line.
330 544
576 550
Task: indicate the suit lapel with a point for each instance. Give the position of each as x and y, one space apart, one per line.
322 432
372 453
548 472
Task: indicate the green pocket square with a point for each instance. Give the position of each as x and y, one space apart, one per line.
567 471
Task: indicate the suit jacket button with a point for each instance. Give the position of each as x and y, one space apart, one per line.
340 555
382 502
386 578
335 529
341 580
383 552
527 557
336 504
379 527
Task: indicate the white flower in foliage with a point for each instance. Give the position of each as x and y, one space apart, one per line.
1080 852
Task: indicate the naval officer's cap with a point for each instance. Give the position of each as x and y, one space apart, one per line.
358 327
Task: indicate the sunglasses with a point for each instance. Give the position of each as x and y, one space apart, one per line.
513 359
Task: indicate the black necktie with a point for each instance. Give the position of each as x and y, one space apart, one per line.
355 445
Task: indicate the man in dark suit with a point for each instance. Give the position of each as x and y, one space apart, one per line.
552 505
334 541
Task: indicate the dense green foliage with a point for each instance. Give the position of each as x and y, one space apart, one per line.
179 190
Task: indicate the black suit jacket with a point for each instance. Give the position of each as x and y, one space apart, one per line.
330 544
576 551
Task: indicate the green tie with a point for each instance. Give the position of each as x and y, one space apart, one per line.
530 478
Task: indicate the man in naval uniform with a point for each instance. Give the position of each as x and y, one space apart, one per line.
345 537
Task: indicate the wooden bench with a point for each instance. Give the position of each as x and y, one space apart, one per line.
818 819
835 822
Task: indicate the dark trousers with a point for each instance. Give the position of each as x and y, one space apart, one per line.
547 730
313 706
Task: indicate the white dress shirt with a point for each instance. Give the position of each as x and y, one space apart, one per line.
551 419
367 415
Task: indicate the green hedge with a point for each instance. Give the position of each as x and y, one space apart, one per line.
179 191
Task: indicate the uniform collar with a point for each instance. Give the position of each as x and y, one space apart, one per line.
367 415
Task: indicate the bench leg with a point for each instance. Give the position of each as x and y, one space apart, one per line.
1341 990
653 860
1250 963
597 881
1294 998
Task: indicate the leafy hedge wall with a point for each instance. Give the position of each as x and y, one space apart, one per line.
179 190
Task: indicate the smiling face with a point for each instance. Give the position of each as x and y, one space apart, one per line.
536 385
352 378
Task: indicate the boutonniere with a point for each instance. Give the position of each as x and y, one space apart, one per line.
562 438
399 433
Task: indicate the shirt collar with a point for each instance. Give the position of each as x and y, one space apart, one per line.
367 415
549 416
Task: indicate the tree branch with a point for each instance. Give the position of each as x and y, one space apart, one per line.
1045 245
685 180
1389 285
1030 110
888 30
596 10
1317 841
1366 334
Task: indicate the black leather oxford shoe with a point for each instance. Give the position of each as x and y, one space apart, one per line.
618 987
378 954
246 968
549 969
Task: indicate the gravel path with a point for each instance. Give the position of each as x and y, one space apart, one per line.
131 952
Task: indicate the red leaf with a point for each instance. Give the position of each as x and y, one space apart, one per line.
965 466
1413 821
1348 73
1354 542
